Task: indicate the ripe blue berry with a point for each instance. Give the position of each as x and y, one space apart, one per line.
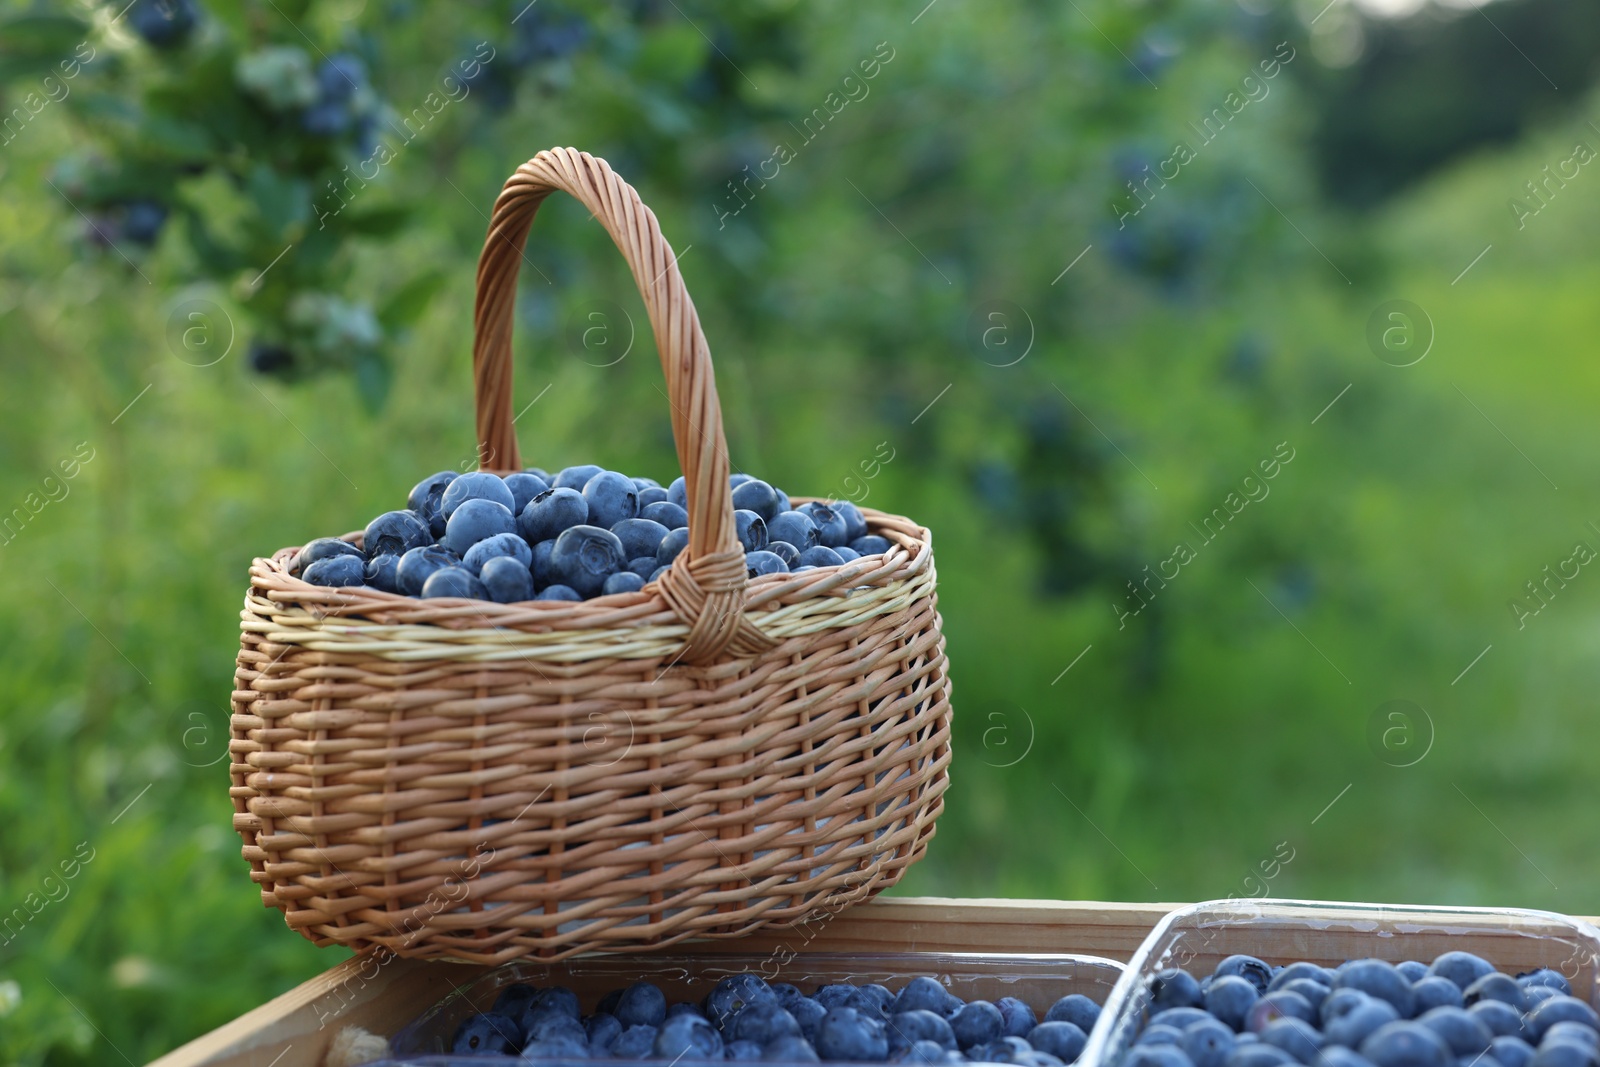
1249 968
651 495
396 533
848 1034
551 512
426 499
622 582
757 496
506 579
925 994
558 592
977 1023
732 995
611 498
1501 1018
163 23
790 1050
1062 1040
585 556
1436 991
870 545
671 545
1509 1050
764 562
764 1022
1173 988
603 1029
642 484
1206 1043
1016 1018
382 573
794 527
644 566
1074 1008
479 485
1496 986
575 477
506 544
819 557
784 551
855 523
752 530
831 528
1296 1037
846 554
1462 968
336 571
747 1051
635 1043
678 492
453 581
642 1004
418 565
1363 1018
656 574
1557 1009
324 548
1403 1044
1378 978
1230 998
906 1028
483 1035
688 1036
639 537
476 520
524 487
1545 977
666 513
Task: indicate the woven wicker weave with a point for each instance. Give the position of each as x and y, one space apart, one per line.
709 755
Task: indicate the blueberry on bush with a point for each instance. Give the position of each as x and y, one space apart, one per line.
551 512
163 23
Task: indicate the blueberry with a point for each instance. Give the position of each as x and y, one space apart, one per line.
1500 1017
787 994
688 1035
479 485
741 1050
644 566
846 554
506 544
757 496
513 1000
1462 968
1378 978
163 23
1003 1050
923 994
1538 994
639 537
611 498
545 1021
1296 1037
1435 991
1564 1054
454 581
977 1023
1412 970
685 1009
1496 986
1074 1008
622 582
794 527
603 1028
838 994
918 1052
1249 968
1284 975
666 513
340 75
1511 1050
819 557
336 572
1557 1009
870 545
325 548
1402 1044
1353 1027
539 473
736 479
1572 1031
544 574
763 562
1062 1040
483 1035
1230 996
752 530
764 1023
396 533
650 495
655 575
855 523
732 995
671 545
558 592
524 487
1279 1004
1314 992
381 572
575 477
584 557
847 1034
784 551
878 997
1545 977
418 565
635 1043
678 492
476 520
790 1050
1159 1034
325 118
560 1047
427 496
1340 1002
1179 1018
551 512
908 1027
506 580
142 221
1339 1056
642 1004
1016 1018
831 528
1207 1043
1254 1054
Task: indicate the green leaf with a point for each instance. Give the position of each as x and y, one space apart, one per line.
376 222
45 40
282 203
374 376
407 303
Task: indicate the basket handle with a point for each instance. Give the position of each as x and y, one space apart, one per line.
705 587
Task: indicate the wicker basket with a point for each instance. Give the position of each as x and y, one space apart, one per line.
457 778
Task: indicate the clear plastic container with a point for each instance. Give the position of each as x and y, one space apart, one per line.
1198 937
1039 980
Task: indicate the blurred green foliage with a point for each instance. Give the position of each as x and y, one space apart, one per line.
1138 376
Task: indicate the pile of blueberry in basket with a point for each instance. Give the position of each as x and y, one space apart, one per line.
582 532
1458 1011
745 1018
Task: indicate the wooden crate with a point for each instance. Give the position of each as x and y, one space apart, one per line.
293 1030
